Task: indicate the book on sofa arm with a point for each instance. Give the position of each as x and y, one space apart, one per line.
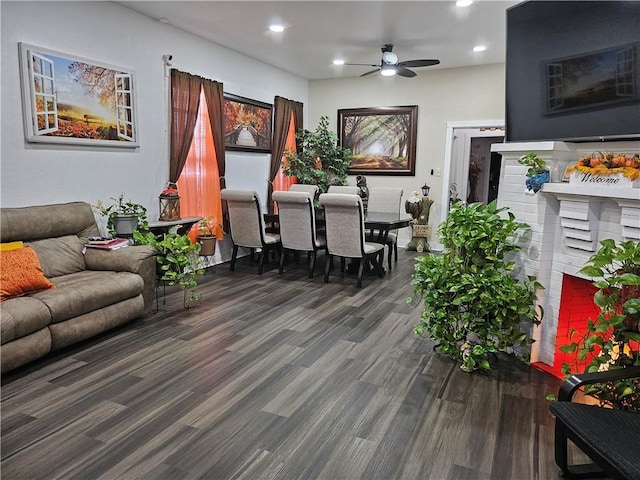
111 244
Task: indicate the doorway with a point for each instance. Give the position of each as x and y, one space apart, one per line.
471 171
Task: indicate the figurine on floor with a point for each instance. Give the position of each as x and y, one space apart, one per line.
418 206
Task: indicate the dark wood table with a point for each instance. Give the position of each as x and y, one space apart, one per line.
182 226
383 223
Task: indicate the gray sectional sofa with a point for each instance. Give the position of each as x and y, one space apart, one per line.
95 290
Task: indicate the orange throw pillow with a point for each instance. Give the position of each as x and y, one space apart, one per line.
20 273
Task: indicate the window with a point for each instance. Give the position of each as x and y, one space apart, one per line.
45 106
199 182
124 106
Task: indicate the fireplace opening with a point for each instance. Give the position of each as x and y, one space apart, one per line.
576 308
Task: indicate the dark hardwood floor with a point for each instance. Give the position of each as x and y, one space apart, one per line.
276 376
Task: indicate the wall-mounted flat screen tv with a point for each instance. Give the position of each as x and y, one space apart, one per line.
573 71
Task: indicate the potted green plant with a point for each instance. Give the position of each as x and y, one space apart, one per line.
123 217
321 160
610 340
178 262
208 231
537 174
473 307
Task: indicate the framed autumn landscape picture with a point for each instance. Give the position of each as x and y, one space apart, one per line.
71 100
247 124
382 140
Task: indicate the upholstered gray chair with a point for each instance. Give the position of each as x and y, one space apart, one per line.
296 215
386 200
301 187
344 218
247 225
350 189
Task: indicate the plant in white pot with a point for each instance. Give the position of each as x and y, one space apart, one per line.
208 232
123 217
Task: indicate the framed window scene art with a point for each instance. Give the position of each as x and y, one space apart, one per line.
247 124
382 140
73 100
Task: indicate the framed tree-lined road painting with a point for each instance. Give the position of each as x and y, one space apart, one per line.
247 124
72 100
382 140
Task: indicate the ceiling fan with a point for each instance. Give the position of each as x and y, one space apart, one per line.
389 64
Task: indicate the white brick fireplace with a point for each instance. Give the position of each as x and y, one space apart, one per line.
567 222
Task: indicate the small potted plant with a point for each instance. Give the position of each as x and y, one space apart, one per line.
538 172
178 262
123 217
208 230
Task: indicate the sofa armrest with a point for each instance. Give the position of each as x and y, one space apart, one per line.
140 259
128 259
573 383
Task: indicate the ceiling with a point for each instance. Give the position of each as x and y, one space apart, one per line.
317 32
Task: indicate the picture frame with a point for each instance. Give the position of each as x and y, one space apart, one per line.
72 100
591 80
382 140
247 124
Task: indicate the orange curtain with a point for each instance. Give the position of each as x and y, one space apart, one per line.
198 184
282 181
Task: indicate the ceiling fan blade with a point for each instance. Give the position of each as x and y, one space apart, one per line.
372 71
405 72
418 63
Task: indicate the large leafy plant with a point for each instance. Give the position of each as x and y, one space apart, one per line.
610 340
473 305
321 160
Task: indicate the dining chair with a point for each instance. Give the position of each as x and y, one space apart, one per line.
301 187
296 215
386 200
344 216
350 189
247 225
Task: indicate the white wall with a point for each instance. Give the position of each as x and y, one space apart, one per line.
474 93
33 174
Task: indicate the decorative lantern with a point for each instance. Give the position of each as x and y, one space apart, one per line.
425 190
169 203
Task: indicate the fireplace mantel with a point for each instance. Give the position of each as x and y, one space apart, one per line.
568 222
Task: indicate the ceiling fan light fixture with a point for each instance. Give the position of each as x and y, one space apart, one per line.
389 58
387 70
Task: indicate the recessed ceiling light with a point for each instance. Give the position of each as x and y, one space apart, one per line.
276 27
338 61
479 48
163 20
463 3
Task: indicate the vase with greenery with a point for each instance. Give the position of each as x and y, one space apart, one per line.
537 174
473 307
178 261
610 341
322 161
123 216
